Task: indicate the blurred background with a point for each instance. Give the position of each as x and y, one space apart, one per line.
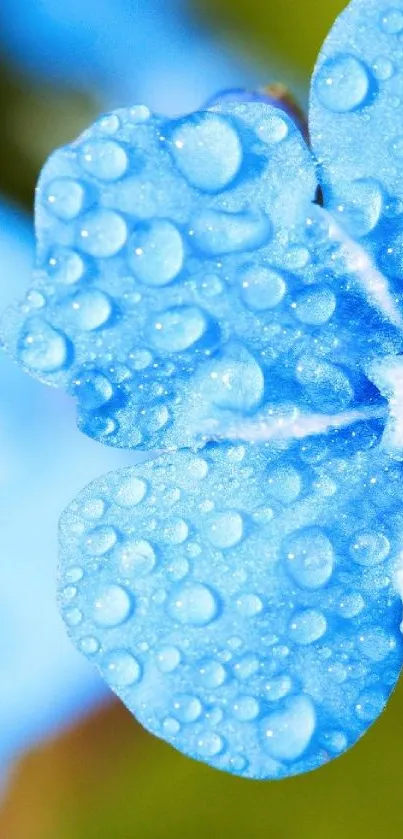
73 763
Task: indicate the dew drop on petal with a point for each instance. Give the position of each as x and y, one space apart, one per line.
343 83
194 604
112 607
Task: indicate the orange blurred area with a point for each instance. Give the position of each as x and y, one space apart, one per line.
108 778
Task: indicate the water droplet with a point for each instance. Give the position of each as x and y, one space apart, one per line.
246 708
207 150
383 68
140 113
73 617
140 359
277 688
370 705
238 763
343 84
307 626
350 605
89 645
284 484
74 574
249 605
310 558
91 309
171 726
210 744
131 491
102 233
335 742
234 381
224 530
176 531
137 557
216 232
376 644
66 266
246 667
69 593
156 252
397 147
315 307
261 288
121 669
194 604
168 659
212 674
274 129
65 198
392 21
104 159
92 389
34 299
328 386
43 348
369 548
112 607
101 540
286 734
94 508
177 329
362 205
109 124
187 708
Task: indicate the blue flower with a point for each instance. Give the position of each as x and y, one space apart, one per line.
240 592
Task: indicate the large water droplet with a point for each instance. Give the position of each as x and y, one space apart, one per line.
102 233
392 21
343 83
360 205
315 306
369 548
91 309
234 381
66 266
370 705
101 540
286 734
224 530
207 150
131 491
187 708
216 232
137 557
92 389
104 159
178 329
156 253
43 348
210 744
65 198
307 626
310 558
112 607
121 669
246 708
261 288
168 659
212 674
194 604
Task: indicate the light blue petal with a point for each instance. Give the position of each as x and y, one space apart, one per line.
356 122
169 256
243 603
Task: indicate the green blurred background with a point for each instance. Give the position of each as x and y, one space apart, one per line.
105 778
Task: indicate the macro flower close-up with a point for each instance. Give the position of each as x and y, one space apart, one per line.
216 302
